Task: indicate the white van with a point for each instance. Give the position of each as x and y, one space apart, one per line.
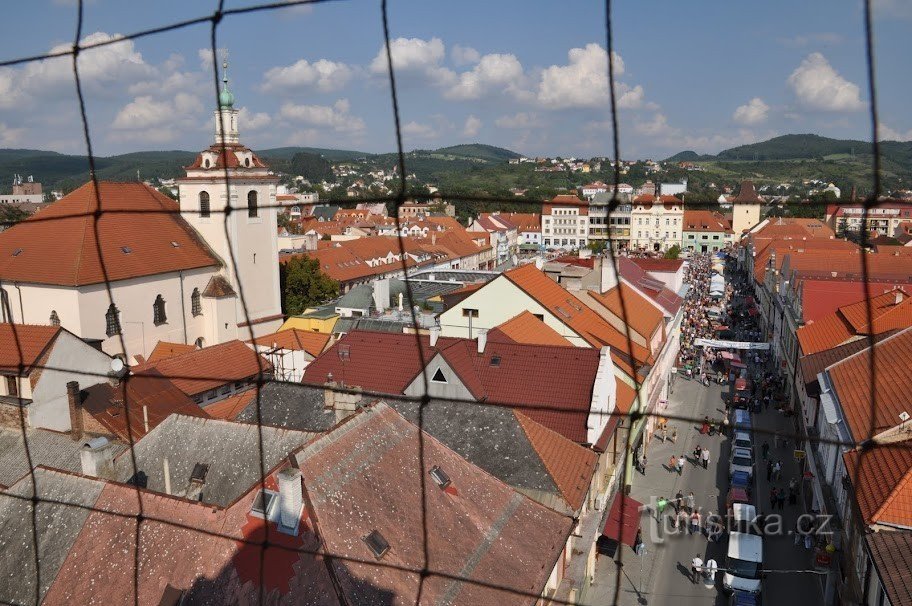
743 563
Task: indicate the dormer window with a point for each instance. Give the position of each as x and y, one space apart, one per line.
55 319
207 163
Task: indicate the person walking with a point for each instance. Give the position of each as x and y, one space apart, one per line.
661 504
678 502
674 435
695 522
638 541
663 432
793 491
777 470
705 457
681 461
696 568
673 463
780 498
766 451
773 498
691 502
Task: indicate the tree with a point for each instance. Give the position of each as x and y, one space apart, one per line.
673 253
598 246
11 214
312 167
304 285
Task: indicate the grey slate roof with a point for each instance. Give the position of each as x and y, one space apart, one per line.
362 297
488 436
58 526
232 451
48 448
325 211
290 405
347 325
464 277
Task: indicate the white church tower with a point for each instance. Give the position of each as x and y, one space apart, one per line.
247 231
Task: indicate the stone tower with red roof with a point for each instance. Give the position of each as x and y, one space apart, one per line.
745 209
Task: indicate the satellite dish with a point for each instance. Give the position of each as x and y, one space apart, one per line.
117 366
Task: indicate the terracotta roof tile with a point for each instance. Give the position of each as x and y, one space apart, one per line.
892 384
638 313
218 287
138 238
747 194
575 314
813 364
229 408
705 220
361 477
22 345
653 288
892 555
569 464
296 339
529 330
880 477
164 349
851 320
210 367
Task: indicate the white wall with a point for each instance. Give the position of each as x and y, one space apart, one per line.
70 360
604 397
498 301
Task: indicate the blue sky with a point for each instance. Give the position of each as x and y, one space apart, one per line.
527 75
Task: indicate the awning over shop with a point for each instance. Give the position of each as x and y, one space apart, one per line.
623 519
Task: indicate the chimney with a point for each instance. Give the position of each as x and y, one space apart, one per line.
482 340
96 458
435 334
291 497
381 294
400 301
329 393
166 470
75 404
899 297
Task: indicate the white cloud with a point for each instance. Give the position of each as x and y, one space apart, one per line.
472 126
413 55
820 87
336 116
247 120
146 112
630 98
418 131
885 133
464 55
754 111
325 75
583 82
519 120
493 72
658 125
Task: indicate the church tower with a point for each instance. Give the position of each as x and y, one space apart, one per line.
745 209
228 174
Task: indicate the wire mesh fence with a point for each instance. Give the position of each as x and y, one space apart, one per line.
426 570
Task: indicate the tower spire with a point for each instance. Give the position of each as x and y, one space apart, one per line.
226 98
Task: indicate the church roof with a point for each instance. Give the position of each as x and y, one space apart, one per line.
140 232
226 157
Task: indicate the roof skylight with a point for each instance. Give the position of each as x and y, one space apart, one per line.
376 543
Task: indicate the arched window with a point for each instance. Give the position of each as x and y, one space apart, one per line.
204 204
196 308
55 319
247 162
112 321
252 203
296 210
199 343
158 311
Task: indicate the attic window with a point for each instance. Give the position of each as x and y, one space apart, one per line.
17 252
126 250
440 476
562 311
175 244
263 503
199 472
439 377
495 360
376 543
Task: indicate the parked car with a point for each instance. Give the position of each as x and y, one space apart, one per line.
744 598
741 420
742 459
742 439
741 392
743 563
737 494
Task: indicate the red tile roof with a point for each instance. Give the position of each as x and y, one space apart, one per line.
851 320
566 200
361 477
661 265
529 330
210 367
568 463
550 384
348 260
296 340
22 345
227 157
747 194
892 555
881 477
229 408
164 349
653 288
124 409
851 379
704 220
138 231
637 312
594 329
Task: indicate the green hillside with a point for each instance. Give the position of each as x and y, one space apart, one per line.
333 155
479 150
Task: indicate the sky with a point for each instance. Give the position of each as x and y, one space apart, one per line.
527 75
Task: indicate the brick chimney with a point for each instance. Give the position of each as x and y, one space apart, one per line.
291 497
75 405
899 297
482 340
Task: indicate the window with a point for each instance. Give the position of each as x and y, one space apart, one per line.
199 343
439 476
376 543
196 308
158 311
439 377
112 321
55 319
264 503
470 313
5 309
204 204
252 204
12 386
